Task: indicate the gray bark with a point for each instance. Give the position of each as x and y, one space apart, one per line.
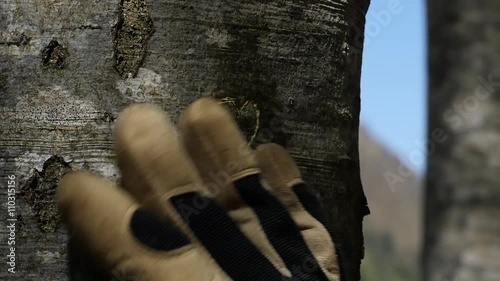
462 237
289 70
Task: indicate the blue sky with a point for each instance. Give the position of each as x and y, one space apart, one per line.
393 82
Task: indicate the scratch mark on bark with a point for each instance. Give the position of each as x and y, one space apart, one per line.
247 115
21 40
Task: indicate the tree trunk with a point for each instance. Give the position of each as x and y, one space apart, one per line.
289 70
462 237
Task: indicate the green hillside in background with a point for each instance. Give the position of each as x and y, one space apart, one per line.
393 229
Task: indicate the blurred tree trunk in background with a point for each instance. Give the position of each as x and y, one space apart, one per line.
462 237
289 70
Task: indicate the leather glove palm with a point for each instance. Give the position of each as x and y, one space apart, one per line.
199 207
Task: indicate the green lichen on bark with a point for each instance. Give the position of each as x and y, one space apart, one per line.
132 31
40 191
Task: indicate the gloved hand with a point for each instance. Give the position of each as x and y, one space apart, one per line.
202 207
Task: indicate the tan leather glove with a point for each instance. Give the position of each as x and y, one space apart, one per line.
202 207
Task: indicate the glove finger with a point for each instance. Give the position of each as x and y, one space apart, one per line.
131 241
280 172
222 156
217 148
152 164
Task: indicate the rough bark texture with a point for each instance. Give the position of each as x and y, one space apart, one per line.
289 70
462 237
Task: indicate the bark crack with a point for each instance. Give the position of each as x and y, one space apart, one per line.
133 28
40 191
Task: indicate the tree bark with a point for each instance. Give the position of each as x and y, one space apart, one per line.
462 236
289 70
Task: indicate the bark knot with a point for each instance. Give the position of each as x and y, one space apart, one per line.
54 54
